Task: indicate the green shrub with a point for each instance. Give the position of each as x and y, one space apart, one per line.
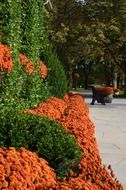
42 135
23 29
32 24
34 90
4 5
11 26
56 77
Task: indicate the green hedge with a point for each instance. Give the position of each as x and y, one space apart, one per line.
42 135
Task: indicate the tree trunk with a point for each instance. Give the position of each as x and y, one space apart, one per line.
115 80
70 78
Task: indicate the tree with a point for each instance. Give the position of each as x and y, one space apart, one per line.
107 29
99 34
64 33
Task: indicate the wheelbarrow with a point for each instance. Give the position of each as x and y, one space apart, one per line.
99 95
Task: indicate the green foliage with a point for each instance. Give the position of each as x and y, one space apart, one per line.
24 25
31 29
56 76
34 29
34 90
11 87
24 91
26 33
4 20
13 28
12 82
43 136
100 33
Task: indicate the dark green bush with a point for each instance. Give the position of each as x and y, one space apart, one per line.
56 77
43 136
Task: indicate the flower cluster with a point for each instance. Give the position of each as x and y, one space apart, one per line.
6 63
53 108
106 90
76 75
43 70
26 63
22 169
73 114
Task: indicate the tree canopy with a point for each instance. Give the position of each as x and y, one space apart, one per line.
93 31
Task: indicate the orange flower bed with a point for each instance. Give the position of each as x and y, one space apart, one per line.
6 63
73 114
22 169
53 108
106 90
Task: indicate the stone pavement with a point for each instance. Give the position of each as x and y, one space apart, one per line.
110 132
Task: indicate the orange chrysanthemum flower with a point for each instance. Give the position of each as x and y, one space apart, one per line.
6 63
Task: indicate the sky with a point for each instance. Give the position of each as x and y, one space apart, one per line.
83 1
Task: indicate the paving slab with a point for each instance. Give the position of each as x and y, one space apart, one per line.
110 132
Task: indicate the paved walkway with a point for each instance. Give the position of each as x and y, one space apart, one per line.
110 132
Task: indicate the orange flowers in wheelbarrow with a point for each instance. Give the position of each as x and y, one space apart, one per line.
106 90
